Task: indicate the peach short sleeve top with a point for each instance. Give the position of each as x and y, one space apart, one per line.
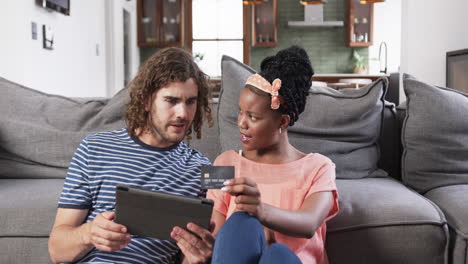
285 186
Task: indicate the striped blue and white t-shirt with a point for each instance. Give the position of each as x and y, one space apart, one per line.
105 159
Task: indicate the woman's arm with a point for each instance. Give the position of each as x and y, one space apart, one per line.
218 220
298 223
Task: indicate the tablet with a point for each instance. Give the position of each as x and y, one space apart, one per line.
153 214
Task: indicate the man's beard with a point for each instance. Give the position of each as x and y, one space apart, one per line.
161 132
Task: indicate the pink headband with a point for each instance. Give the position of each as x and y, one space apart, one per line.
259 82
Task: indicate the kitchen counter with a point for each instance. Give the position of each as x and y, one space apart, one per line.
334 77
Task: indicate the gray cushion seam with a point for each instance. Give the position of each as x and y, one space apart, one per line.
403 141
382 118
436 207
358 227
459 232
465 238
32 163
441 185
396 150
451 90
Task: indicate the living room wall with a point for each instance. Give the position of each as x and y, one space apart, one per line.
429 30
75 67
387 28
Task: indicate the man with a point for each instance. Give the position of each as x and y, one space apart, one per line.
168 97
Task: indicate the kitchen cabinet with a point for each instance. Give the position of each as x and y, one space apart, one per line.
265 24
359 24
160 22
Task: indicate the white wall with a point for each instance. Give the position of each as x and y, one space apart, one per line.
72 68
387 28
115 43
430 28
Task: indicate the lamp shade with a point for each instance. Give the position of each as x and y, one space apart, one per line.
371 1
254 2
313 2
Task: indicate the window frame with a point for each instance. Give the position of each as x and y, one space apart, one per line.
245 38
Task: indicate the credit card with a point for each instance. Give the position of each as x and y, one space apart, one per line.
212 177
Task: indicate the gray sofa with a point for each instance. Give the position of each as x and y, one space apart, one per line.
382 218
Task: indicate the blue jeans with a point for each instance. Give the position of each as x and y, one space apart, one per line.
241 240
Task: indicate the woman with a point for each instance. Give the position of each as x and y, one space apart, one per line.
275 209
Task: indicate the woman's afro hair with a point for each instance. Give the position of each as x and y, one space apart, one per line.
292 66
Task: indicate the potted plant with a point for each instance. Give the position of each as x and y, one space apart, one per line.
359 63
198 57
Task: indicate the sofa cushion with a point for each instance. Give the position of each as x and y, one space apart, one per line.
24 250
345 126
207 145
342 124
28 206
434 136
382 221
453 201
40 132
234 75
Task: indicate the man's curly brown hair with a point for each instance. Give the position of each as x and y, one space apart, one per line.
164 67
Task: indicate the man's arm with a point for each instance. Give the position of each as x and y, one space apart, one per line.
66 243
71 239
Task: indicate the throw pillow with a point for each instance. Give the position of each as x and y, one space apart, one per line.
234 76
342 124
434 136
39 132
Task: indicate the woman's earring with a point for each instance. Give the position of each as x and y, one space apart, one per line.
280 130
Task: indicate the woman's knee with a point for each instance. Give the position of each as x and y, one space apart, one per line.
241 227
240 240
278 253
242 221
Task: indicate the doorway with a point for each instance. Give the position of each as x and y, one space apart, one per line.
122 54
126 46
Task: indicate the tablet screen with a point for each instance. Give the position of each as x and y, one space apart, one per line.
154 214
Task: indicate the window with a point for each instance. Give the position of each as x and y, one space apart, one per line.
217 30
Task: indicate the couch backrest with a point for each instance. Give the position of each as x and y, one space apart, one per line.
209 144
344 125
389 141
39 132
27 154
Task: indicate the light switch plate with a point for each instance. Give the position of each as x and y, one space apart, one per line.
34 30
